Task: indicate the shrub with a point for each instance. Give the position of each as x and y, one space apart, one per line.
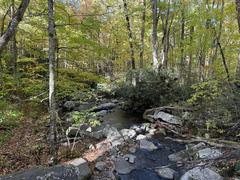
152 89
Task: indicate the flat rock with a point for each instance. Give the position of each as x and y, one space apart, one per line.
147 145
100 166
122 166
175 156
167 173
199 173
128 133
101 113
105 106
141 137
169 118
209 153
113 136
130 157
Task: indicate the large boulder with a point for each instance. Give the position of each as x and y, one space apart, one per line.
200 173
113 136
209 153
147 145
78 170
166 117
105 106
128 133
122 166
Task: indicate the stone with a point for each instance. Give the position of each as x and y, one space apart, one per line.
169 118
101 113
147 145
164 172
105 106
141 137
152 131
175 157
122 166
209 153
70 105
132 150
113 136
100 166
128 133
200 173
130 158
89 129
66 172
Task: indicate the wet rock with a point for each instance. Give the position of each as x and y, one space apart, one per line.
141 137
132 150
100 166
66 172
101 113
200 173
209 153
147 145
106 106
122 166
130 158
166 173
128 133
175 157
113 136
169 118
70 105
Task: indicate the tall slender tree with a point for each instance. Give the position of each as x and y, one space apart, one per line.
238 18
52 74
154 33
141 61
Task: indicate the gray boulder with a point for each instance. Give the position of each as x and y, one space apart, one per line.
122 166
166 173
70 105
141 137
199 173
106 106
128 133
100 166
79 170
147 145
209 153
113 136
169 118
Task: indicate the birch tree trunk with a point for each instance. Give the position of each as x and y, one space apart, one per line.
154 34
52 74
141 63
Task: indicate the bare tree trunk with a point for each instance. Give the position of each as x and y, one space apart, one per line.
238 18
142 34
182 62
130 33
190 57
52 74
13 24
154 34
13 46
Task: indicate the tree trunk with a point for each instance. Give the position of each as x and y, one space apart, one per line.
189 81
182 63
141 63
4 39
52 73
13 46
238 18
154 34
130 33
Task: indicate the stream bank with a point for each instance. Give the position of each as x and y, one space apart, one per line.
128 148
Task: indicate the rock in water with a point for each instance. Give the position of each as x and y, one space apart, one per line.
78 171
199 173
165 172
209 153
147 145
128 133
106 106
100 166
122 166
141 137
169 118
